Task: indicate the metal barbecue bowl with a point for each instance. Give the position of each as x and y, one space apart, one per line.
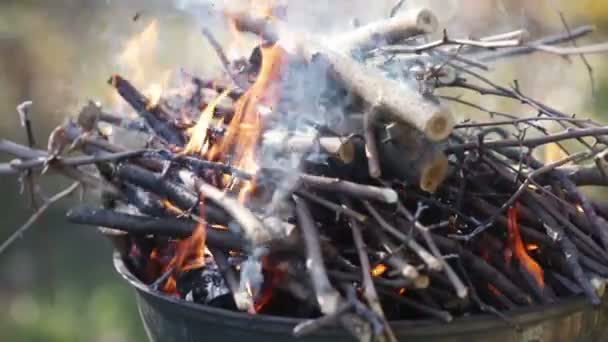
168 319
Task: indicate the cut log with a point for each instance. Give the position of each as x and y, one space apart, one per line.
385 32
424 163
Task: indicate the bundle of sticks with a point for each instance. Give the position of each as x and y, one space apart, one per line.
395 212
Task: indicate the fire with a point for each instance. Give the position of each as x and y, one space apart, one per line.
240 142
189 252
138 62
519 249
379 270
198 134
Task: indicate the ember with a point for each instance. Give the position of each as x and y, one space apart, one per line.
332 183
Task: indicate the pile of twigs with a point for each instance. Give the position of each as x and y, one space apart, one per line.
395 212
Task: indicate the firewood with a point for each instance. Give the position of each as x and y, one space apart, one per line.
424 165
388 31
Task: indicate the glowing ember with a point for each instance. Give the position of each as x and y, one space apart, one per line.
379 270
532 247
519 250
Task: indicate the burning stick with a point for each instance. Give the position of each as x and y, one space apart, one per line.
385 32
424 164
145 225
153 116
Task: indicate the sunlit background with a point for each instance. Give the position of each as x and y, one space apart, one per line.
57 282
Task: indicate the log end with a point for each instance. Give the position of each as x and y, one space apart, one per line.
434 173
440 125
427 21
421 282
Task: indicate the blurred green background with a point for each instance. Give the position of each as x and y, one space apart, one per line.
57 282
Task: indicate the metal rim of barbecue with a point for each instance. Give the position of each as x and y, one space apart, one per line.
462 325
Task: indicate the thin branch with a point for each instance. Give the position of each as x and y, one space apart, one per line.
217 47
532 142
449 41
41 210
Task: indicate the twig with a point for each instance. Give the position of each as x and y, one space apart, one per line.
385 194
369 290
532 142
432 263
339 209
459 287
565 51
549 40
328 297
396 7
217 47
41 210
17 166
449 41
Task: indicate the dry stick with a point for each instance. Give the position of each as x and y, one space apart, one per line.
371 145
553 39
449 41
26 123
396 7
369 290
395 260
328 297
388 31
566 51
571 254
575 230
483 269
431 261
217 47
17 166
521 189
585 175
516 34
402 103
70 172
532 142
459 287
146 225
339 209
362 191
582 56
41 210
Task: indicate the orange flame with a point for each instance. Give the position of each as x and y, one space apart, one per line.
519 250
198 137
189 252
379 270
243 133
